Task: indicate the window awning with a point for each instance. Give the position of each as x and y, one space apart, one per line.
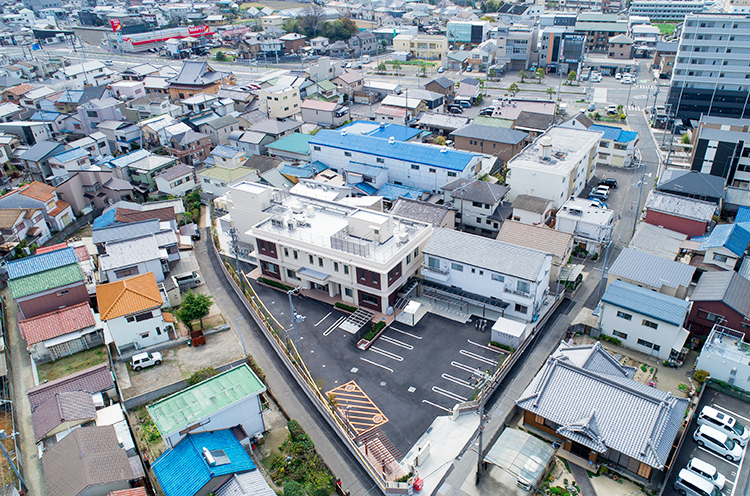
313 275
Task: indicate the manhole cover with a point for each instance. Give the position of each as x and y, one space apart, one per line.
382 383
411 389
354 370
349 387
377 419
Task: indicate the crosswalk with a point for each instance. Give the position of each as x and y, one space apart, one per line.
646 86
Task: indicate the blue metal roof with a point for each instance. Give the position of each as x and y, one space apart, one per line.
743 214
73 154
385 130
734 237
392 192
130 158
659 306
225 151
364 169
45 115
105 219
70 96
366 188
305 171
39 263
183 470
614 133
416 153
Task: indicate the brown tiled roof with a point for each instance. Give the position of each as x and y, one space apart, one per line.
73 406
82 253
136 491
540 238
128 296
20 89
59 208
57 323
38 191
9 217
92 380
86 457
127 215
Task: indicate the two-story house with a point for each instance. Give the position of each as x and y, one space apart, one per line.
56 212
190 147
589 223
479 205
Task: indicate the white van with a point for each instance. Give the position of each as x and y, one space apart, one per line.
188 280
707 471
724 423
688 483
717 442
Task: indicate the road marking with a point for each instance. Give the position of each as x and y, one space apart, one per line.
376 364
447 394
730 412
466 368
396 342
321 320
456 380
480 358
387 354
717 456
437 406
739 470
407 333
483 346
334 326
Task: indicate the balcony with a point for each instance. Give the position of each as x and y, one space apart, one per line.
435 273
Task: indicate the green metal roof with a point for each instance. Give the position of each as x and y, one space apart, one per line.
226 174
294 143
205 398
43 281
326 85
493 121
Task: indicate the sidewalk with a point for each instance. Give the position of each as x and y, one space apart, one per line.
22 377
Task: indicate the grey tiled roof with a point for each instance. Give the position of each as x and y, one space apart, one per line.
477 191
92 380
127 231
443 81
726 286
274 126
695 184
651 270
688 208
531 203
130 252
419 210
595 358
540 238
246 484
491 133
604 411
71 406
490 254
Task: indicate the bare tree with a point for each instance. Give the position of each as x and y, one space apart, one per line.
311 17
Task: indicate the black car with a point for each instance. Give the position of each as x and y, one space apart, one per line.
611 182
455 109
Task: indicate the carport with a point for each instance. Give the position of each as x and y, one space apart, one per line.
522 456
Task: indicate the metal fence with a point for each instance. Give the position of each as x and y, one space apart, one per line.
725 388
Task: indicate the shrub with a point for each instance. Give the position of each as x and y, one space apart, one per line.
502 346
610 339
643 367
345 307
201 375
701 376
256 368
374 331
275 284
405 477
294 488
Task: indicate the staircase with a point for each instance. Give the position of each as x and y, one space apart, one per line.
378 446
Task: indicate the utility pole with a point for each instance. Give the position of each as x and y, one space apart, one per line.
482 421
294 319
234 233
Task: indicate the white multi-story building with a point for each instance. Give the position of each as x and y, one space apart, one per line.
416 165
666 10
556 166
80 76
505 278
724 356
283 99
361 256
589 223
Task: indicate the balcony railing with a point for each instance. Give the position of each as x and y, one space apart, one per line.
435 269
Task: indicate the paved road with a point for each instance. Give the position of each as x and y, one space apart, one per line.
281 383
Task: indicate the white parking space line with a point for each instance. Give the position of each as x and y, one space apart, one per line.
730 412
321 320
483 346
334 326
396 342
717 456
480 358
407 333
739 471
387 354
437 406
456 380
466 368
376 364
447 394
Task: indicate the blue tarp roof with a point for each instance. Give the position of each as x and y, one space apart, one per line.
40 263
614 133
183 470
105 219
646 302
734 237
394 191
416 153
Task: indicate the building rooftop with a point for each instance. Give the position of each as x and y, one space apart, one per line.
588 211
72 406
91 380
127 231
489 133
726 286
420 211
294 143
533 204
651 270
200 401
646 302
568 148
381 130
39 263
693 184
540 238
477 191
688 208
732 237
129 252
57 323
657 240
128 296
45 281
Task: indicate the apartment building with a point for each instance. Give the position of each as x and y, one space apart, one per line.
521 46
589 223
361 256
711 75
280 101
721 147
666 10
599 28
556 166
473 32
422 46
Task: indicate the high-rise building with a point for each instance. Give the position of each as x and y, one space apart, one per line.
711 74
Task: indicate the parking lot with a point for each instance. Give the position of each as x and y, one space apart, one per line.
735 473
411 374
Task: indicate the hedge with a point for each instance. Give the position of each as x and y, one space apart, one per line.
374 331
344 306
275 284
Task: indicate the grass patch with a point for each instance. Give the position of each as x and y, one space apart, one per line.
665 28
71 364
147 434
682 387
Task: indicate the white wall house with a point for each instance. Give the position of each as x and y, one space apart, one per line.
589 223
80 76
644 320
177 180
131 309
556 166
724 356
131 257
516 276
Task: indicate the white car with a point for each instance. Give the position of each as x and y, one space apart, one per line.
108 62
618 75
707 471
142 360
717 442
626 80
611 109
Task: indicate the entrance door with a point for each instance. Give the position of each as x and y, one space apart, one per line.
580 450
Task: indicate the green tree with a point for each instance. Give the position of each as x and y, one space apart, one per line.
539 74
551 91
686 139
396 65
220 57
382 68
522 75
194 307
571 77
294 488
513 89
310 20
291 25
439 141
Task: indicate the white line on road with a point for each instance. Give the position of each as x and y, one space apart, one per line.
396 342
407 333
717 456
321 320
483 346
376 364
447 394
739 471
466 368
730 412
480 358
387 354
334 326
456 380
437 406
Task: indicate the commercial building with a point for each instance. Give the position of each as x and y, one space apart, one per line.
556 166
666 10
711 73
422 46
721 147
472 32
599 28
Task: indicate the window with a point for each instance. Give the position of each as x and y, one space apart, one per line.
432 170
316 148
368 298
457 267
347 154
286 252
476 204
645 343
521 308
451 174
336 266
320 262
523 286
479 220
62 293
346 269
311 258
720 258
624 315
433 262
291 273
414 167
348 292
144 316
294 252
408 259
648 323
498 278
132 271
376 278
380 160
619 334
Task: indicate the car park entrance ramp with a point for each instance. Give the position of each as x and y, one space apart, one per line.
356 321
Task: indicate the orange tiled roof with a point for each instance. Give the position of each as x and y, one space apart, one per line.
20 89
57 323
135 491
128 296
59 208
38 191
47 249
